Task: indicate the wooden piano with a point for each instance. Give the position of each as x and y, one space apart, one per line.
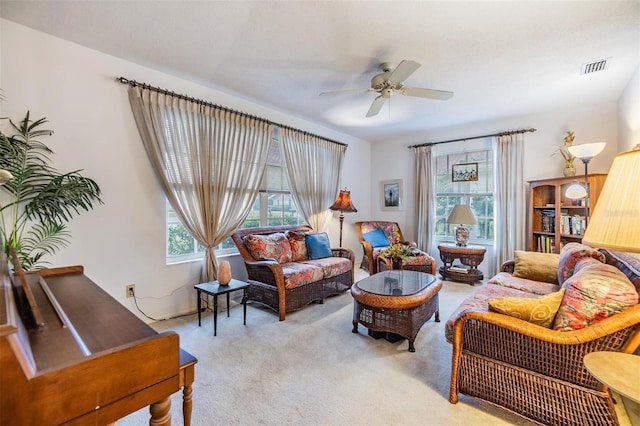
71 354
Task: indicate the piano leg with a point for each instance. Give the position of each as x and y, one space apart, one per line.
160 415
187 405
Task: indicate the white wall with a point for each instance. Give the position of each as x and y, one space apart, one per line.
591 123
123 241
629 114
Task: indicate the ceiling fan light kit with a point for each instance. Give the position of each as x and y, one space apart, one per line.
391 80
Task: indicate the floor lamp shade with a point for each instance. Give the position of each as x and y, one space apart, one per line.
343 204
615 222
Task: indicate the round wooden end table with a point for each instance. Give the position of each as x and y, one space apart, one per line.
470 257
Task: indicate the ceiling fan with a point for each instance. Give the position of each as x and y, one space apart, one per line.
389 81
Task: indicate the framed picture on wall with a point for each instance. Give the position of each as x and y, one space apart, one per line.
464 172
391 195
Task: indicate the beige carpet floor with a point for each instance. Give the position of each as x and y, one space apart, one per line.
312 370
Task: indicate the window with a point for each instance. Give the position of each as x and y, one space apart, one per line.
478 194
273 206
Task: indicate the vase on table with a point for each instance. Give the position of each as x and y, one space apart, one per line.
224 273
569 171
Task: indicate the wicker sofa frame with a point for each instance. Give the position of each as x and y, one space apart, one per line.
266 279
538 373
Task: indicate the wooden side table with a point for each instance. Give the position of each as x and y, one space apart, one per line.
214 289
469 255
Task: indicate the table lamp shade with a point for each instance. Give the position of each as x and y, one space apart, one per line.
343 202
615 222
462 214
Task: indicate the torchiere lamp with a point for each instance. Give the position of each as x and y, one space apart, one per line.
344 205
462 215
615 223
585 153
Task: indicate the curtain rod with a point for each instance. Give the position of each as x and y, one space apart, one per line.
507 133
134 83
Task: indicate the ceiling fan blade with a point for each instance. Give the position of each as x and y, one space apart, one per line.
376 105
346 91
419 92
403 71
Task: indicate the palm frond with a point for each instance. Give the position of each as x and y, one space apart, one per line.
40 193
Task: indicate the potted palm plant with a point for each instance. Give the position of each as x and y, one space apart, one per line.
37 201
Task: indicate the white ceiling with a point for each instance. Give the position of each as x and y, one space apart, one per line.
502 58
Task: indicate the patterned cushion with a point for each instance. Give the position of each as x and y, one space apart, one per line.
540 288
298 245
628 263
540 311
537 266
570 254
595 292
387 228
297 274
331 266
271 246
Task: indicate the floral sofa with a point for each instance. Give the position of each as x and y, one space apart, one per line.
291 266
520 339
375 236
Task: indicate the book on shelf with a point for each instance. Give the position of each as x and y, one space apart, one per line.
546 244
572 225
548 221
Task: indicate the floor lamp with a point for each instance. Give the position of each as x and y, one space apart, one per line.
344 205
615 223
585 153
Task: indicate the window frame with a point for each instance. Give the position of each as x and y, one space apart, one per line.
264 216
465 195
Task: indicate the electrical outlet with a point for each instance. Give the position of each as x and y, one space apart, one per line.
131 290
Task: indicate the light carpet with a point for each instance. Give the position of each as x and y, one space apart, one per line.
312 370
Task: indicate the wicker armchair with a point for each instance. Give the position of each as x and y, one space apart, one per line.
424 263
267 282
539 373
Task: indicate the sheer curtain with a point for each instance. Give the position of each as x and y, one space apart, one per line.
209 162
426 197
510 212
314 166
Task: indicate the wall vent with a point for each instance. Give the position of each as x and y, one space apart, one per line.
595 66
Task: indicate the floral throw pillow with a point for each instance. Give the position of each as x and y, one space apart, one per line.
298 245
570 254
270 246
595 292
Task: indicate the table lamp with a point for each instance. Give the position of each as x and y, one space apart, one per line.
462 215
615 223
585 153
344 205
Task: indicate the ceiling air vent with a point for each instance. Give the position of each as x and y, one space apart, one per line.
595 66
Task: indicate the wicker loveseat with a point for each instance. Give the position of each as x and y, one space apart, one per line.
538 372
286 279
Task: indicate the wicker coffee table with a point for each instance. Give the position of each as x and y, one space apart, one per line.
397 302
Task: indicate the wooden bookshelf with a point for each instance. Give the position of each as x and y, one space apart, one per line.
549 229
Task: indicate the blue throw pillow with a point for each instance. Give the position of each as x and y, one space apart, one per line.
318 245
376 238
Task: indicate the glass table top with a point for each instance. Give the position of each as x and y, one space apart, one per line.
397 282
